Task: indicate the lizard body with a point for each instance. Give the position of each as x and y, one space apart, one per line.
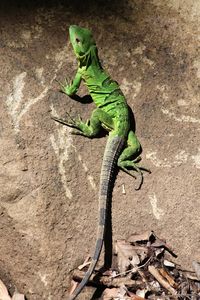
112 113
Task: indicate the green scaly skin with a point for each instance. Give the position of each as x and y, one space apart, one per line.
112 113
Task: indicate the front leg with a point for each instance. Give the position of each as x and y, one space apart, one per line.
71 88
91 127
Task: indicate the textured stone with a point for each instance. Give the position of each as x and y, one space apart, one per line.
49 179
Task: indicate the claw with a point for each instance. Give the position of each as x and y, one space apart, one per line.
141 181
71 123
127 171
68 82
145 169
138 169
77 132
62 85
137 159
75 122
64 122
72 120
79 119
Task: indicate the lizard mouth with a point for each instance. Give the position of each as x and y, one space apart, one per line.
82 55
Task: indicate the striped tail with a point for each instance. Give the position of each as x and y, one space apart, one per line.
112 151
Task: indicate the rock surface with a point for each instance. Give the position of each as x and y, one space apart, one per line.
49 179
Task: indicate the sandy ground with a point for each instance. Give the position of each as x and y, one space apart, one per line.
49 179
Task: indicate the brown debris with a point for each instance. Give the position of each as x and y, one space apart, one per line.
108 280
155 272
126 255
4 295
196 267
73 286
144 272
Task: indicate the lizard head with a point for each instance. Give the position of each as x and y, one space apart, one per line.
81 40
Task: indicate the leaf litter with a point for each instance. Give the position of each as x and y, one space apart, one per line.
4 295
144 269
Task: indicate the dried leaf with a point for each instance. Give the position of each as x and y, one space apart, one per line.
86 262
156 274
73 286
140 237
126 255
123 290
190 276
158 243
141 251
110 293
114 294
196 267
169 264
141 293
136 297
169 278
3 292
145 272
185 287
154 285
110 273
18 296
159 251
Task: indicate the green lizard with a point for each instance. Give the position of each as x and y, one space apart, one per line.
112 113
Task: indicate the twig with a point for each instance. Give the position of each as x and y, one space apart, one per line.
141 273
161 280
108 281
85 263
196 267
168 277
133 270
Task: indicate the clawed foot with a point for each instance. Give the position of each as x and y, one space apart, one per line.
70 122
66 86
126 165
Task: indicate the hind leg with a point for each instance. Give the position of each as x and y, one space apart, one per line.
130 157
91 127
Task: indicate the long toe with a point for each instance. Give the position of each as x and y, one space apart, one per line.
141 181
